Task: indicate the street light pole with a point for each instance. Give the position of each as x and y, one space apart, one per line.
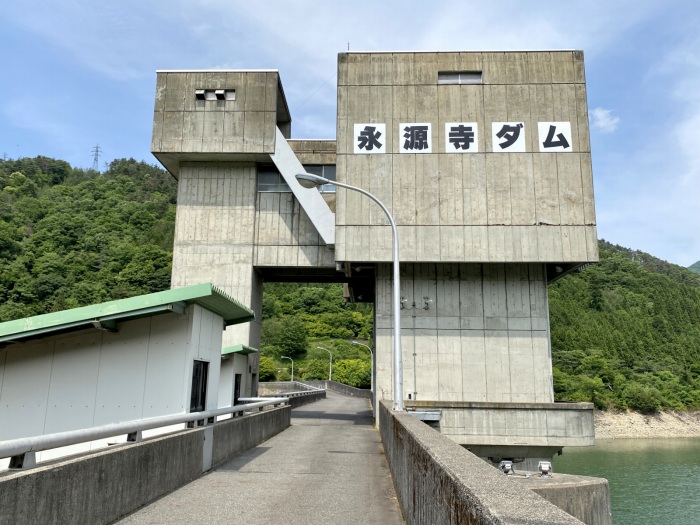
292 360
330 363
307 180
371 355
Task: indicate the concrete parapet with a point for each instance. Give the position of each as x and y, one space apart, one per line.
238 434
340 388
101 487
553 425
306 398
298 393
282 387
439 482
584 497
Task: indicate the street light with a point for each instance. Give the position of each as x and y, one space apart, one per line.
330 364
292 360
307 180
371 354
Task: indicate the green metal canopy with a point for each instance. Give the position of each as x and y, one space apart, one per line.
238 349
105 316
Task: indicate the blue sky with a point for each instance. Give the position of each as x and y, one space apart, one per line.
79 73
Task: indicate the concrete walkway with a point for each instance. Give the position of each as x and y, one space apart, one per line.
327 467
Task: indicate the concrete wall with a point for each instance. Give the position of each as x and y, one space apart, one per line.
243 124
484 336
285 236
100 488
529 424
214 237
269 388
439 482
297 400
235 435
297 393
584 497
90 377
340 388
486 206
314 151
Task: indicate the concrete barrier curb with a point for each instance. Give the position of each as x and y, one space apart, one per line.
298 394
439 482
340 388
101 487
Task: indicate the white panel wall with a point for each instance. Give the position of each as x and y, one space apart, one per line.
25 390
122 378
483 337
205 345
74 376
92 378
235 364
166 370
226 383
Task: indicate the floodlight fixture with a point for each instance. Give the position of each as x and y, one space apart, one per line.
506 467
545 468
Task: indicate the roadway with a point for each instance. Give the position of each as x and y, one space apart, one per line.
327 467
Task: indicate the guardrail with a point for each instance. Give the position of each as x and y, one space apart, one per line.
341 388
22 451
296 398
284 386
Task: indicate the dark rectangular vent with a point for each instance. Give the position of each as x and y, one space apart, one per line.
215 94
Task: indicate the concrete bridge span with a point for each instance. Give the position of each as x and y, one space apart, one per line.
330 465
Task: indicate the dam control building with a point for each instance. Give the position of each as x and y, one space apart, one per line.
483 159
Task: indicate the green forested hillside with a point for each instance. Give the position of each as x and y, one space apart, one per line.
71 237
298 318
625 332
695 267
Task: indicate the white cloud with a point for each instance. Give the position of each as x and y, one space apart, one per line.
603 120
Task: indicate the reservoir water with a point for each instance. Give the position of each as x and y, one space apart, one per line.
654 481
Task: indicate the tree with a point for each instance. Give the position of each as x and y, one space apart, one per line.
286 335
315 369
266 369
353 372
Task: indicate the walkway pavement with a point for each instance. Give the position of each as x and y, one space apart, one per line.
328 467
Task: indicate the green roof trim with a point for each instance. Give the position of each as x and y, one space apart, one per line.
106 315
238 349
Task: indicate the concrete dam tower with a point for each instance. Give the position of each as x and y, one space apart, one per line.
483 160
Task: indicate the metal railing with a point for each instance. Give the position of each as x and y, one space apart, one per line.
21 451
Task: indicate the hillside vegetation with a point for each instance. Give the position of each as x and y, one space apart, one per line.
625 332
72 237
297 319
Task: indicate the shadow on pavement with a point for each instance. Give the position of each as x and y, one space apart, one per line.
360 418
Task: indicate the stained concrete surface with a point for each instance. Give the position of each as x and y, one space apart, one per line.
327 467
